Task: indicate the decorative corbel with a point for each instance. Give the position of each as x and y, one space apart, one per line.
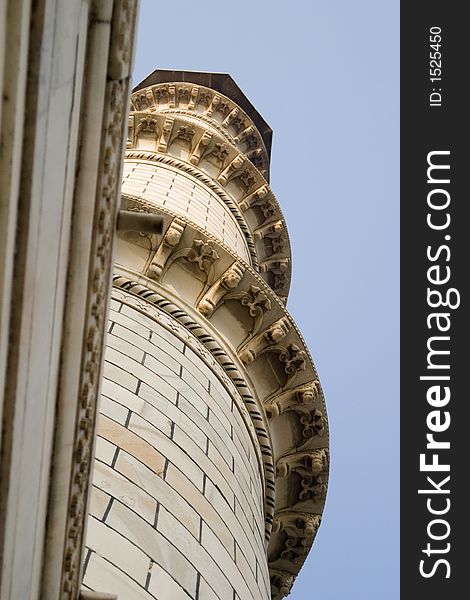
312 488
295 549
257 158
167 246
215 102
294 359
241 137
297 524
193 97
305 396
221 106
150 100
232 114
235 165
254 198
268 229
229 281
281 583
265 341
307 463
300 401
268 207
166 134
279 243
258 303
200 148
280 281
130 131
247 179
171 95
275 265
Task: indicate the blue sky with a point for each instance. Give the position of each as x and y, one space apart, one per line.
325 76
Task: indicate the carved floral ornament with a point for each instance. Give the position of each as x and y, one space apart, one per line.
212 108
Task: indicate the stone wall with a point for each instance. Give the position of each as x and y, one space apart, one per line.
177 498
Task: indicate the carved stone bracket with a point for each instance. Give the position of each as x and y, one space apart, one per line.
200 148
166 135
230 171
313 488
296 524
311 467
268 230
167 246
296 532
277 266
229 281
304 396
264 341
281 583
244 134
254 198
306 463
301 401
294 359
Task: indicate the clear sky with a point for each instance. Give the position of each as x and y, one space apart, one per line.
325 76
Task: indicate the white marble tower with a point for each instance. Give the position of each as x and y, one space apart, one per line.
212 452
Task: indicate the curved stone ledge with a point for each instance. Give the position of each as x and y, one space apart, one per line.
254 206
212 108
214 293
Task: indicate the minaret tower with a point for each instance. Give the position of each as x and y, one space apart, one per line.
212 453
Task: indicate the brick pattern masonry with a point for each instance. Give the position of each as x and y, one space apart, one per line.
177 500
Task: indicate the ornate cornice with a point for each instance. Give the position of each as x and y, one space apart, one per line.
212 108
244 191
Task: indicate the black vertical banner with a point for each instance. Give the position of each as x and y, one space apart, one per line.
435 341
